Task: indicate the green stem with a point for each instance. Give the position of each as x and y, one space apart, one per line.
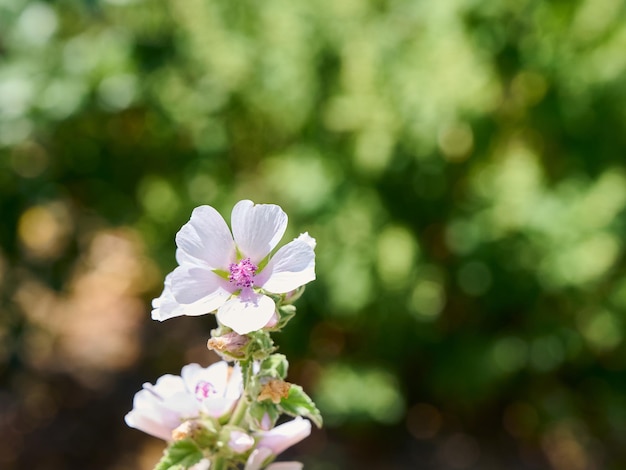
240 411
218 464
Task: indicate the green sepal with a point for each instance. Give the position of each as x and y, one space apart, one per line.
180 455
275 366
262 264
222 273
260 346
259 409
205 438
298 403
285 313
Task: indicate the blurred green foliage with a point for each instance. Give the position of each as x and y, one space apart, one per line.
460 163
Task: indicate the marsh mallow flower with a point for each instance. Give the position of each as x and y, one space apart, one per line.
230 273
273 442
161 408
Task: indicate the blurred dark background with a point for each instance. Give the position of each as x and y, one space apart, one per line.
460 163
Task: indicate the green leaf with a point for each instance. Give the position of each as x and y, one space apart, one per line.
298 403
260 346
179 456
285 313
275 366
258 410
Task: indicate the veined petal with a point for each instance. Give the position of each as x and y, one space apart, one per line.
146 423
257 458
234 389
285 435
166 386
216 374
291 267
207 238
257 228
247 312
197 285
218 406
165 306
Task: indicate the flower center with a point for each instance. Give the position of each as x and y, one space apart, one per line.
242 273
205 390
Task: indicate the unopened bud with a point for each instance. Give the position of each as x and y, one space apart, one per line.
229 346
240 442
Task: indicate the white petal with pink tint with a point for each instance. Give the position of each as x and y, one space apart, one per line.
257 228
291 267
285 435
247 312
165 306
206 238
257 457
285 466
193 284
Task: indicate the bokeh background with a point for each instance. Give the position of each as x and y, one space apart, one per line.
460 163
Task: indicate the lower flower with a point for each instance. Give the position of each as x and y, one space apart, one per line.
161 408
273 442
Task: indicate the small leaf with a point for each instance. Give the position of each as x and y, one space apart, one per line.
298 403
275 366
259 410
179 456
285 313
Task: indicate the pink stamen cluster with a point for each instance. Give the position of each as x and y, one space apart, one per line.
204 390
242 273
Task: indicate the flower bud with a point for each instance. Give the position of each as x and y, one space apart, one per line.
229 346
240 442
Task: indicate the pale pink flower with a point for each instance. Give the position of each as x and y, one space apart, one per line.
285 435
160 408
273 442
229 273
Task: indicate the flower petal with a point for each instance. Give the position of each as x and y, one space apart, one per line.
291 267
217 407
216 374
234 388
257 458
285 435
206 238
247 312
198 286
158 409
285 466
257 228
148 424
165 306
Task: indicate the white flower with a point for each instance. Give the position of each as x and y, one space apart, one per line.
229 273
273 442
261 455
285 435
160 408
